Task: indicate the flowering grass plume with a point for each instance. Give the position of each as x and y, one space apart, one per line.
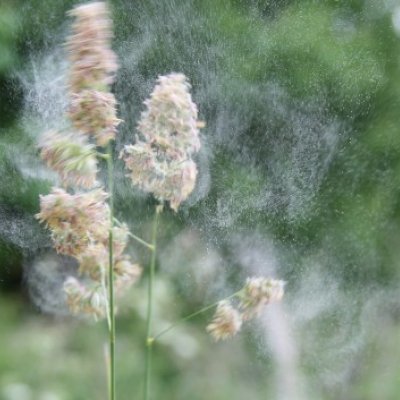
75 219
257 293
171 116
71 156
88 300
160 161
80 222
94 112
226 323
92 108
93 65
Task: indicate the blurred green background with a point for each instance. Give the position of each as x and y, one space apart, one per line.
299 178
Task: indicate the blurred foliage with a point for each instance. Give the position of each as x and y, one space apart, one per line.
301 100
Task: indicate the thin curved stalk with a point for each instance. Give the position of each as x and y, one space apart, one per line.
149 339
190 316
137 238
141 241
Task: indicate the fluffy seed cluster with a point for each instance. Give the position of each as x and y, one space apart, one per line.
160 162
80 226
80 222
93 64
171 116
92 108
71 156
75 220
94 113
226 323
259 292
84 299
256 293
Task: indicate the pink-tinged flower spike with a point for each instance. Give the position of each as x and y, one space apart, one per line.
162 164
259 292
71 156
171 180
179 183
75 220
226 322
170 120
94 113
93 63
93 261
92 108
84 300
126 273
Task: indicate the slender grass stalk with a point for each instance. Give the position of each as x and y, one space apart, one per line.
107 363
133 236
110 167
149 339
190 316
141 241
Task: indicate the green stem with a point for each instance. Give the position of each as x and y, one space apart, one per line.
149 339
141 241
110 167
190 316
103 156
137 238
